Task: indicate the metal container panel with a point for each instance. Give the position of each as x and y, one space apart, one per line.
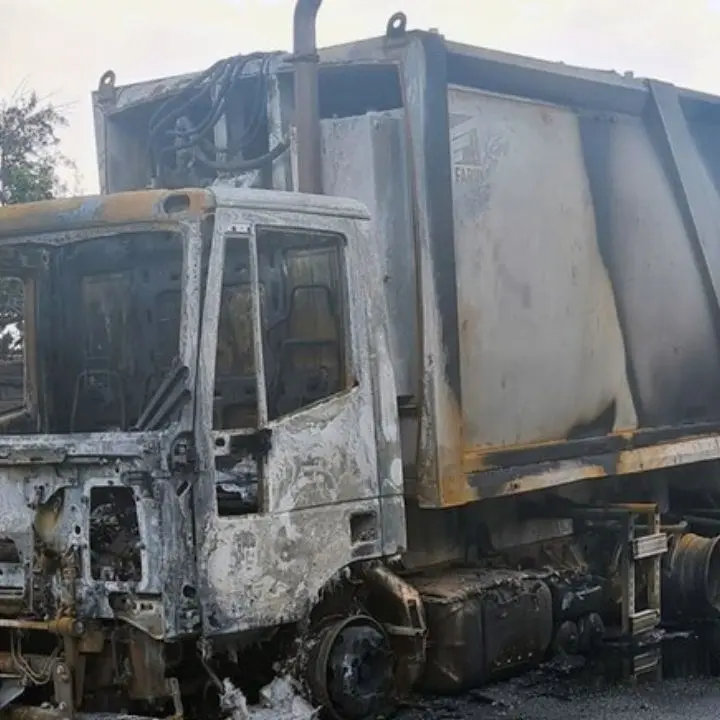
664 306
364 158
542 352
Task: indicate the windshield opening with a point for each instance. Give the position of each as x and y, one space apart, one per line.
104 315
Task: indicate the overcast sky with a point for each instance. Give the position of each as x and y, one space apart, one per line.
61 47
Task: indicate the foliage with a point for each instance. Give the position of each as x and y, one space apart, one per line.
30 159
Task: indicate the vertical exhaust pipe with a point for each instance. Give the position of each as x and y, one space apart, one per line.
307 96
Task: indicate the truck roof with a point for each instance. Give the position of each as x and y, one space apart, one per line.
85 212
296 202
125 208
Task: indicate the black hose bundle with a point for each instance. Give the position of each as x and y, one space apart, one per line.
170 132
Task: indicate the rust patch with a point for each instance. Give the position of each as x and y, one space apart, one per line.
48 216
481 474
686 450
451 488
454 489
541 476
620 444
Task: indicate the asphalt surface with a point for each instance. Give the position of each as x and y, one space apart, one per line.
562 695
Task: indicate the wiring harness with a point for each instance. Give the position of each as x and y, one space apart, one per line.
173 135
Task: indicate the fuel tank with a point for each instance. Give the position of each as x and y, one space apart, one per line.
483 624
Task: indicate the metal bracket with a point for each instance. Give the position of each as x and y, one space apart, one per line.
693 185
64 690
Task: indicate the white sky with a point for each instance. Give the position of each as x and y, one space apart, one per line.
61 47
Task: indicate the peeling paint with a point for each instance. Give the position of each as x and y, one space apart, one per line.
48 216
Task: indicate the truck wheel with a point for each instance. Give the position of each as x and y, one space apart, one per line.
351 671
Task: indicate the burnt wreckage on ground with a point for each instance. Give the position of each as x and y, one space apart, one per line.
266 449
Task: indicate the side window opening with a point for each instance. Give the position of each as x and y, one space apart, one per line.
12 343
235 401
308 343
304 336
303 343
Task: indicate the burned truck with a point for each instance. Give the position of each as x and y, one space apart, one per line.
382 368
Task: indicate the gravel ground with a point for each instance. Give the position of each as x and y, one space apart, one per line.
553 695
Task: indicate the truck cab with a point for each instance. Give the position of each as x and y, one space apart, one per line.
196 436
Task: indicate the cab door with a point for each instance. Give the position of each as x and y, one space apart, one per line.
292 479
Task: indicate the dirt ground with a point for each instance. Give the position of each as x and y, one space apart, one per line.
552 695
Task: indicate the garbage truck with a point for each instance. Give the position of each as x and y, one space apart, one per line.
384 368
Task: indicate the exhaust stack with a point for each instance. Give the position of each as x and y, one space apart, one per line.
307 98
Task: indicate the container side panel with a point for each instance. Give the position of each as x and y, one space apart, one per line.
664 306
364 158
542 352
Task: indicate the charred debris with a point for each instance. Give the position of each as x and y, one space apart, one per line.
268 453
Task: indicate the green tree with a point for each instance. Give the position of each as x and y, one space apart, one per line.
30 158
